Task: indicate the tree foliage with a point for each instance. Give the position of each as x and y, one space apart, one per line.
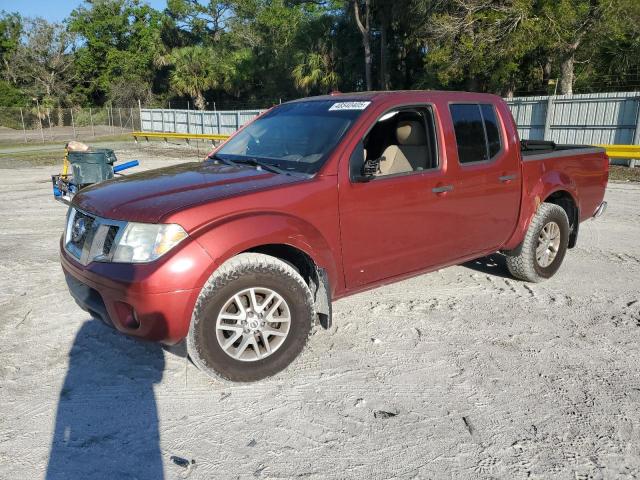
194 71
256 52
10 33
315 71
119 43
44 60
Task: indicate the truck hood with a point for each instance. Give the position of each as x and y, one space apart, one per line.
149 196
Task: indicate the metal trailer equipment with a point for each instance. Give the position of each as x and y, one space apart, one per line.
82 168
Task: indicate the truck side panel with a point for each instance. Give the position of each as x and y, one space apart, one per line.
303 215
487 195
582 174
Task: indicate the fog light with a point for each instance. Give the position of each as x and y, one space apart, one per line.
127 315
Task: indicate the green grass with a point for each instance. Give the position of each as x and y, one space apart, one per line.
18 155
4 144
31 159
34 155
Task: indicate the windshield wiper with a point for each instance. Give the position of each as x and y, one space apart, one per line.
226 161
263 165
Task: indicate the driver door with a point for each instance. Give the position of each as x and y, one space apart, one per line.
399 223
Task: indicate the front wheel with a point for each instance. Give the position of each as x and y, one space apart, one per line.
251 320
544 246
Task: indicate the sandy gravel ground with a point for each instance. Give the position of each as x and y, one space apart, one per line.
462 373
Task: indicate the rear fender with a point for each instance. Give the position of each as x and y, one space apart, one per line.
533 195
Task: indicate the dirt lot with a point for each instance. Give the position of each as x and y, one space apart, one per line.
462 373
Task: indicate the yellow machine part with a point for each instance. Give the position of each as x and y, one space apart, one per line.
65 163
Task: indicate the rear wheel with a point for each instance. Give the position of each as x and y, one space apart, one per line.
544 247
252 319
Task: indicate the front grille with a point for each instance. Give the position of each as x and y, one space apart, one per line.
89 238
109 239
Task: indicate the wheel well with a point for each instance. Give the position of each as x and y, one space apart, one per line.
565 200
298 259
314 276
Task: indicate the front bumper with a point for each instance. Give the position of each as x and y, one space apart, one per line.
153 301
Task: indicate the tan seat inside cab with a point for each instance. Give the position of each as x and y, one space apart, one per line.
411 152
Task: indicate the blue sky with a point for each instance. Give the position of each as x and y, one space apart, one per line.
52 10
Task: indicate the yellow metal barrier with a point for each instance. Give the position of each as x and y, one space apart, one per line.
183 136
622 151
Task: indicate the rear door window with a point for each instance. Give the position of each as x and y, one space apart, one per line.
477 132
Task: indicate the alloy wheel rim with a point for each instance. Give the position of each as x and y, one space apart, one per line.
548 244
253 324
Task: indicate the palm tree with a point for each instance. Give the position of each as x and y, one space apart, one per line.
315 70
193 72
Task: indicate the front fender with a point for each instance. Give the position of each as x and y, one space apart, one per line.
232 236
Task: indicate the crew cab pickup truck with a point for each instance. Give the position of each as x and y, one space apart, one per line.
316 199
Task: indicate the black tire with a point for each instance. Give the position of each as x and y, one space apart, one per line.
249 270
522 262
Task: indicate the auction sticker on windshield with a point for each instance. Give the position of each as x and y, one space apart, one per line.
349 106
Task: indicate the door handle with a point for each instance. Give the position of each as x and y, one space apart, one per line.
507 178
442 189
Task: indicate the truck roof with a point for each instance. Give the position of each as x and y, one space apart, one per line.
379 95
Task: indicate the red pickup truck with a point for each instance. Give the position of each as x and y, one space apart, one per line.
315 200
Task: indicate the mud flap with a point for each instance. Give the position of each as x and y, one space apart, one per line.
573 235
322 299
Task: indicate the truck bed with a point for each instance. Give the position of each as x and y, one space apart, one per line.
586 169
534 148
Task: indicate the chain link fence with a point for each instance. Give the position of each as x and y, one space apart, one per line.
41 124
590 119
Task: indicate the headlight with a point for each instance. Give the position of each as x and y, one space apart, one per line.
144 242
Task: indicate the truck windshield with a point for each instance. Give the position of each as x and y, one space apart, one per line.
295 137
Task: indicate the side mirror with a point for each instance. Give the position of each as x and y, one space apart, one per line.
361 170
371 167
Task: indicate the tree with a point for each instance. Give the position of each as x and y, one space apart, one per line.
43 62
478 45
618 60
120 39
259 51
205 22
610 56
385 16
10 33
275 34
568 22
362 16
129 91
193 72
315 72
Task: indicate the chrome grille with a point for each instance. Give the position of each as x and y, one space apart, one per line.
90 238
109 239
